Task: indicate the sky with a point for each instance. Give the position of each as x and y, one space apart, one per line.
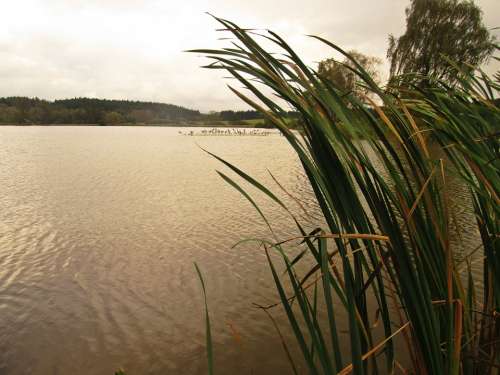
134 49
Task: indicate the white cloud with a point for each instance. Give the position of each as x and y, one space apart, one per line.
134 48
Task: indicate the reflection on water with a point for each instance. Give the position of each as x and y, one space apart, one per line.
99 230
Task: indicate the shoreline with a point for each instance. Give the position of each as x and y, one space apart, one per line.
179 125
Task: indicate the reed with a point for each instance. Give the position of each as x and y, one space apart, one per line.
388 251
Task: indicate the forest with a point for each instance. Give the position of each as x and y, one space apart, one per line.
22 110
91 111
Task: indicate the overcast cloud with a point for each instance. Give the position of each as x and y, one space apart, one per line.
133 49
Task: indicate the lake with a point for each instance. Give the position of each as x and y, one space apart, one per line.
99 230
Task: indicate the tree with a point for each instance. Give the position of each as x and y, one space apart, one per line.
112 118
141 115
9 115
346 80
36 115
437 30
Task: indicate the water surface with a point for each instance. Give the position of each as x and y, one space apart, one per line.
99 229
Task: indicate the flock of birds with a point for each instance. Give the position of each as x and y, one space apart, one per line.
227 132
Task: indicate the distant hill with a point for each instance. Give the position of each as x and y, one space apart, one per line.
31 111
22 110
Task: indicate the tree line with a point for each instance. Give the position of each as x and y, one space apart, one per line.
22 110
229 115
27 111
232 116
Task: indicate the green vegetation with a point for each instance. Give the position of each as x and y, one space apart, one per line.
389 258
343 76
437 32
20 110
238 115
84 111
207 324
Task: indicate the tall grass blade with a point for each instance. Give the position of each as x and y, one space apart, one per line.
209 344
